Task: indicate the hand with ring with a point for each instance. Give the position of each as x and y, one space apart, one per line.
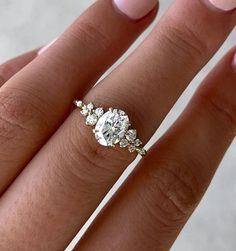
66 138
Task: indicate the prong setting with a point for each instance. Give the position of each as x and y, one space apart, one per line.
111 127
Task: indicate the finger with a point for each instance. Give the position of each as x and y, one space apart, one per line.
152 207
165 63
12 66
38 98
87 170
93 56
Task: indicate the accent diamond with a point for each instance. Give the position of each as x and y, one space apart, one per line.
85 111
99 112
138 142
79 103
90 106
111 128
124 143
132 148
131 135
91 120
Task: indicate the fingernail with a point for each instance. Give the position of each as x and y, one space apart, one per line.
135 9
43 49
225 5
234 62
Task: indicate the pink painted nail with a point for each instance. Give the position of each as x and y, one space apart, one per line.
135 9
43 49
225 5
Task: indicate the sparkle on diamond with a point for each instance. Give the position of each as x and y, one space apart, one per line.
91 119
111 127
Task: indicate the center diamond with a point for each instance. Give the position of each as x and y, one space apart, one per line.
111 127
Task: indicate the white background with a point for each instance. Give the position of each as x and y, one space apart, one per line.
27 24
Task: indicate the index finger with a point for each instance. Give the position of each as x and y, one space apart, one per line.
12 66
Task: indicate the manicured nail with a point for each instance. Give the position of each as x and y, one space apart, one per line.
135 9
225 5
43 49
234 62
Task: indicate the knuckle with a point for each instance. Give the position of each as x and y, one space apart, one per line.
220 106
90 33
177 190
185 41
18 117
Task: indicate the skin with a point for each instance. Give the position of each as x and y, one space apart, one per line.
53 173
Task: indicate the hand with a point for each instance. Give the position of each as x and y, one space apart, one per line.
54 173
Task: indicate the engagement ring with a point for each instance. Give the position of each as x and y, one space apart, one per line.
111 127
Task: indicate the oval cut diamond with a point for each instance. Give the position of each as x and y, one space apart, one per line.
111 127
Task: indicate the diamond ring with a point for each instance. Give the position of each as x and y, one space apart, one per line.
111 127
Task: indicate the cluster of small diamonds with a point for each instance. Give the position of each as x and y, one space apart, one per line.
93 114
132 142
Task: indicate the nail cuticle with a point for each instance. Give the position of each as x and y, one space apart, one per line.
223 5
135 9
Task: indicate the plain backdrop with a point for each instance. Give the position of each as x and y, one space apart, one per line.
27 24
